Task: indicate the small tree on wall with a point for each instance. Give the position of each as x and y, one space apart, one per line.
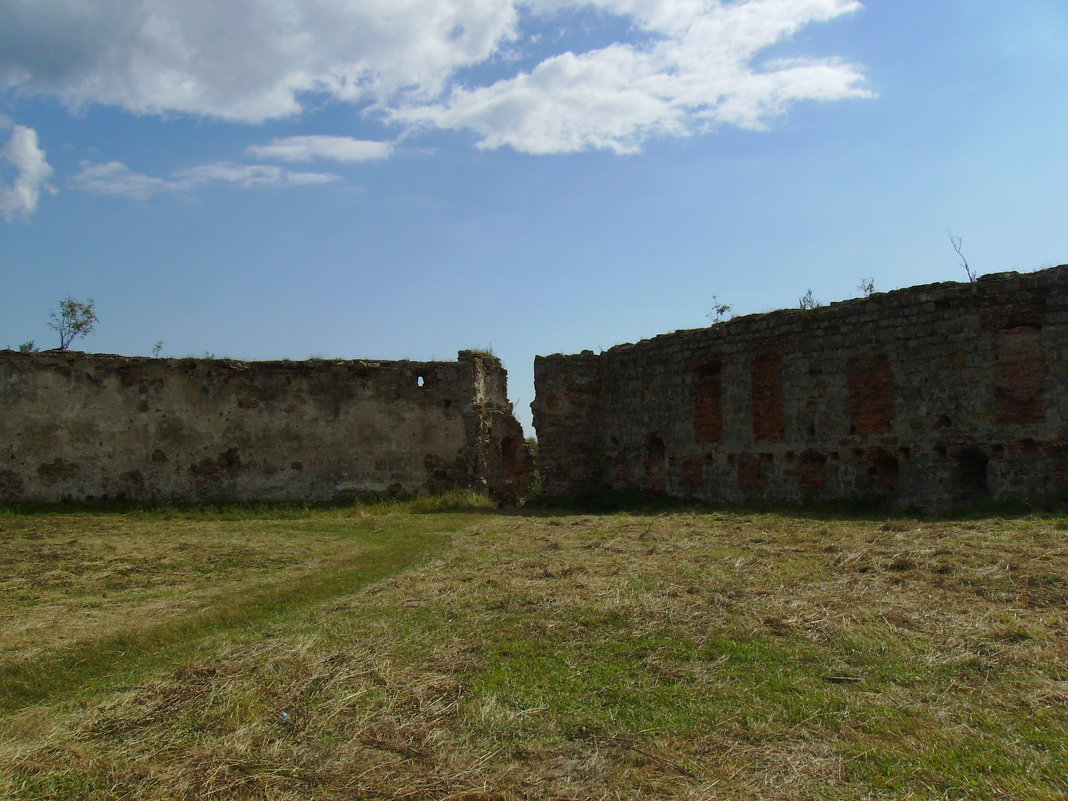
73 319
808 301
719 311
955 242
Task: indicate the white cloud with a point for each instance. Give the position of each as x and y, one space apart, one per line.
249 176
568 103
697 75
116 179
336 148
31 173
685 67
244 59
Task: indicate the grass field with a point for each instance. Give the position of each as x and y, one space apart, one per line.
443 650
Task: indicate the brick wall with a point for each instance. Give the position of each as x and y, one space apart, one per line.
928 396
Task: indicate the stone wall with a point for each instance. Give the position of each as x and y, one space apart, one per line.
85 426
931 396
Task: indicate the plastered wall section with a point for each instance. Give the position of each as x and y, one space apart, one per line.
931 397
88 426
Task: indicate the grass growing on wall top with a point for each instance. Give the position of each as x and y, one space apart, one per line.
400 652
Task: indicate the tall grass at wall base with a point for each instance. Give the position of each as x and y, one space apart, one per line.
452 501
449 501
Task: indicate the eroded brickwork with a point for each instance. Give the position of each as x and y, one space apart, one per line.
768 423
82 426
1020 374
813 471
707 407
871 395
929 396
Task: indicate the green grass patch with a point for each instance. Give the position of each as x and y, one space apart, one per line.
363 551
663 686
434 649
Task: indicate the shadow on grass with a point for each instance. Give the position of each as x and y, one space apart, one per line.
637 502
462 501
593 502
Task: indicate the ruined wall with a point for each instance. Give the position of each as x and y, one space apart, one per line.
930 396
84 426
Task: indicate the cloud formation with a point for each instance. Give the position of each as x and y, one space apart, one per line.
116 179
246 60
685 66
31 170
334 148
695 74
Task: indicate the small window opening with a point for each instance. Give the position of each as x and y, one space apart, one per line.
972 473
884 471
709 369
655 463
654 447
509 448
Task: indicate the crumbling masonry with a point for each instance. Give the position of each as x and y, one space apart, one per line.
930 397
76 426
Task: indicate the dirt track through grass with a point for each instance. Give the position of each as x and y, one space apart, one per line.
681 655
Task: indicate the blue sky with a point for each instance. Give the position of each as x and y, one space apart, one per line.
403 179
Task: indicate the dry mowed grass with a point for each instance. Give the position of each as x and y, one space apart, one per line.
393 654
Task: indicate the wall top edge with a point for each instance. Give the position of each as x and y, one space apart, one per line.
51 357
985 285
